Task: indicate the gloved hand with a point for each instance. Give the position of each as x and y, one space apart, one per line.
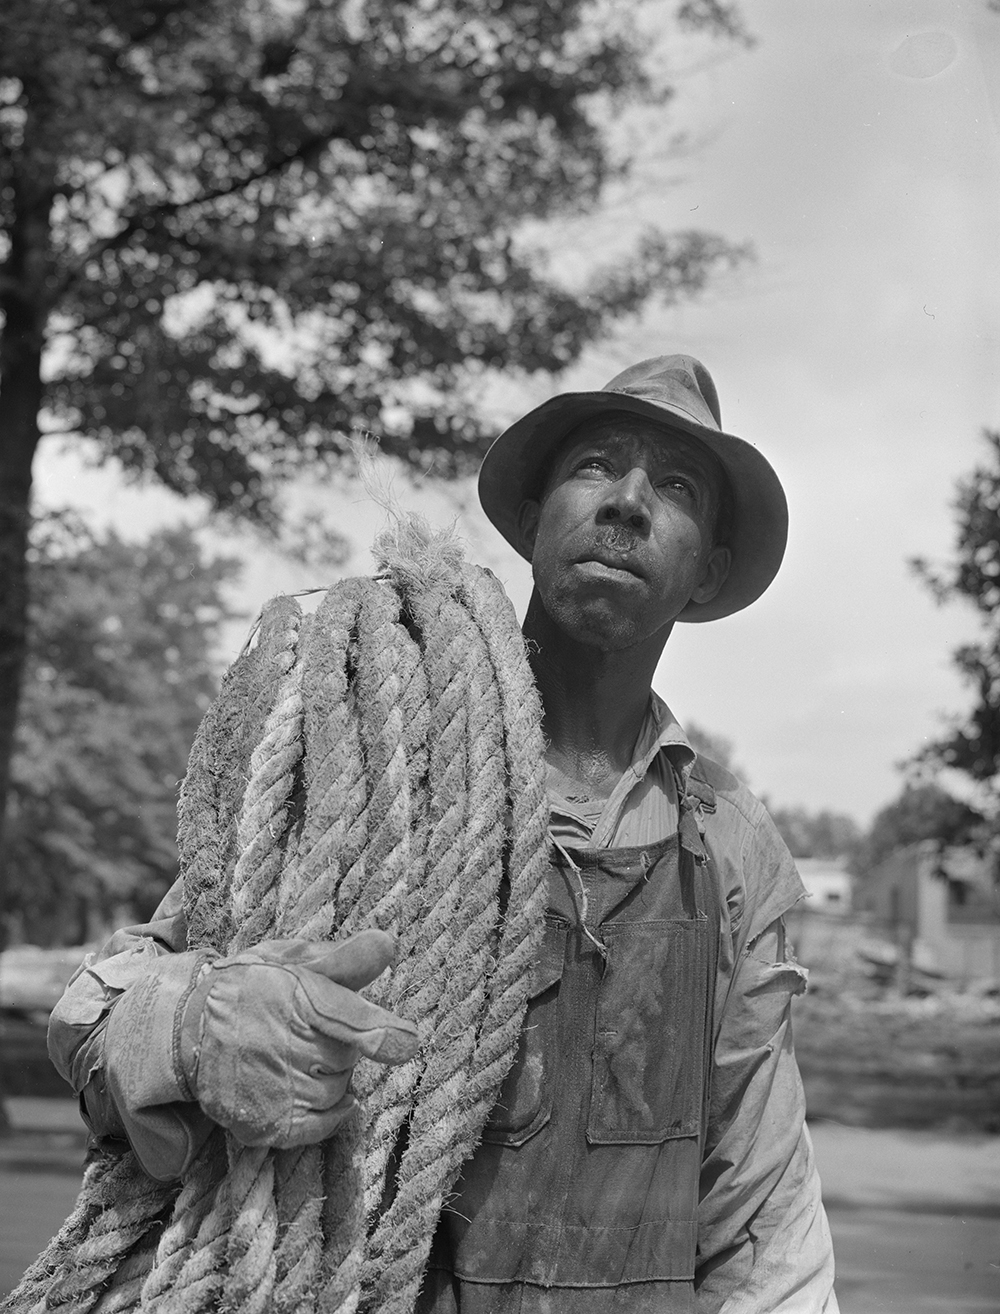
264 1041
270 1036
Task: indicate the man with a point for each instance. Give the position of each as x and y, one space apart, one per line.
648 1152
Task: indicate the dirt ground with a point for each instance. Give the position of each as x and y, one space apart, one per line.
915 1215
874 1057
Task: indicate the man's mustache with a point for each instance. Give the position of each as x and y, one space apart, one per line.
616 537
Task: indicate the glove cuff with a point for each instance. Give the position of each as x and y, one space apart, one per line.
189 1021
144 1067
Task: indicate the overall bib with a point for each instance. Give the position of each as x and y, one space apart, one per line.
582 1197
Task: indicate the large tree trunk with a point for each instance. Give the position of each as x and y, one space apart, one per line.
23 305
20 395
22 337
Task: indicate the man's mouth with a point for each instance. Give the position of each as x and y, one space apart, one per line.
609 568
617 555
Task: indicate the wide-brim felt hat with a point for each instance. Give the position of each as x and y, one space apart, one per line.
676 393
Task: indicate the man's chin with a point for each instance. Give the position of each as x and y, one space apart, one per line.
596 612
598 624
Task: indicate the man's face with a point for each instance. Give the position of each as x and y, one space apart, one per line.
622 538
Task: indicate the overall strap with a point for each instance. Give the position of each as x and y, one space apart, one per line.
695 797
698 785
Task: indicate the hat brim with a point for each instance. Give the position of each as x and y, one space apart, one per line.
514 469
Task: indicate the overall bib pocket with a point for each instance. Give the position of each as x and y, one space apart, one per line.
524 1105
651 1033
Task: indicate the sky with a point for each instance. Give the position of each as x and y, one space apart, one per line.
856 146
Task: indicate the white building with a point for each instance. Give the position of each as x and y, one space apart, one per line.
946 904
828 884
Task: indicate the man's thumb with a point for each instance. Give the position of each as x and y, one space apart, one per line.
354 962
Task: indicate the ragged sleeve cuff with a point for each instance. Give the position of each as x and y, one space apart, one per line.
145 1072
116 1037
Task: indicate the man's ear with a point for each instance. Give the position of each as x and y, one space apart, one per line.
714 575
528 515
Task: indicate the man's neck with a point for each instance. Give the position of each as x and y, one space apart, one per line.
594 702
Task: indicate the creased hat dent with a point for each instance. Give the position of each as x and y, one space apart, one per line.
677 393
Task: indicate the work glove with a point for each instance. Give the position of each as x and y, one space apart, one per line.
264 1041
280 1028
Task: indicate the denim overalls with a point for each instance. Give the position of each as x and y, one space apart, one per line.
582 1197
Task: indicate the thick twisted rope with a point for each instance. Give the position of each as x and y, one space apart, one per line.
528 831
377 764
457 929
236 1263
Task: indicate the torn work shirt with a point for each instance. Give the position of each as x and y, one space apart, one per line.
763 1244
763 1240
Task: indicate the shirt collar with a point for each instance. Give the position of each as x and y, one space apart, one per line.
661 730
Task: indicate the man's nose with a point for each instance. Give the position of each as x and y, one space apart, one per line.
627 500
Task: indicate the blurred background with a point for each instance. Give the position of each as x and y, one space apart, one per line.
269 266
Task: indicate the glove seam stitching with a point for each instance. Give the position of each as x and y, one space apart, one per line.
204 964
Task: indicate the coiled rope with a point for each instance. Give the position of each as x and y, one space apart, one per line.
377 763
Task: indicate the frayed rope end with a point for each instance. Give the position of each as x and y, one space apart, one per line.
415 555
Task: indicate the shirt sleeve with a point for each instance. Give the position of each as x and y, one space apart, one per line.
150 961
764 1244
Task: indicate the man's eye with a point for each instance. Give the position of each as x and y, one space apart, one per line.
595 463
679 484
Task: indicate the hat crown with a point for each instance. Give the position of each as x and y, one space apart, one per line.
679 383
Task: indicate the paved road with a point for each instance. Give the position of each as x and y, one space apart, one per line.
915 1216
33 1205
915 1220
894 1262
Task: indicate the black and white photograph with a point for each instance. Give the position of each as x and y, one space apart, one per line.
499 657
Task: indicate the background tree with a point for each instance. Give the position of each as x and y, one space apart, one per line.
716 747
233 230
921 812
972 745
119 672
822 834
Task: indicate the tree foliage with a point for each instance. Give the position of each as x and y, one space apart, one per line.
921 812
248 228
232 231
972 745
120 671
822 834
717 17
716 747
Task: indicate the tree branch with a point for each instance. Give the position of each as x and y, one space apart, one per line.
157 213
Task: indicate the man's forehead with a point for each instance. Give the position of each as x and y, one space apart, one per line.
635 431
